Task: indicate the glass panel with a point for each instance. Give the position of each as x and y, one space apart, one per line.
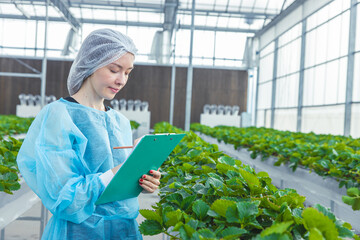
287 91
266 68
230 45
9 9
203 44
290 35
355 116
356 83
268 49
319 84
182 42
260 117
285 119
357 40
321 43
308 94
342 80
57 33
323 120
289 58
140 33
344 33
331 83
268 118
310 48
264 95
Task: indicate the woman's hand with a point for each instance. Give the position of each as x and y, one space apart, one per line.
150 183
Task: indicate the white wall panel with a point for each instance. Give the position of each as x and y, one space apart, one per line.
323 120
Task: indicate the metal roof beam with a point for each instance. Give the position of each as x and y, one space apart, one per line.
170 11
236 13
279 17
67 14
136 24
150 6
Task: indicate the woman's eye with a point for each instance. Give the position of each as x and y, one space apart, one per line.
113 71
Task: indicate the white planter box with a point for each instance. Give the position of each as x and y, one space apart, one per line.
13 206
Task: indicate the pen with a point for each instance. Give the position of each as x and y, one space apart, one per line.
123 147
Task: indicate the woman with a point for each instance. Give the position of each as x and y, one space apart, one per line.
67 157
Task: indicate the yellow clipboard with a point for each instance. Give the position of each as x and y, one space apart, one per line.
149 154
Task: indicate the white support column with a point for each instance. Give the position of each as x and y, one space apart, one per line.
301 76
190 73
273 92
350 68
44 61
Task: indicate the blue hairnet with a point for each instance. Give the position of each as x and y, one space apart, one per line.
100 48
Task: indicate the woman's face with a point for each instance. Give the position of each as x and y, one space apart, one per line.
107 81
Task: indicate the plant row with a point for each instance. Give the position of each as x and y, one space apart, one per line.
10 125
332 156
205 194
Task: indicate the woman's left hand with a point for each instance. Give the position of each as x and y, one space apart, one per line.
150 182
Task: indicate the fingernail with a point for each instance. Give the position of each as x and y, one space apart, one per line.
140 183
151 171
141 180
144 176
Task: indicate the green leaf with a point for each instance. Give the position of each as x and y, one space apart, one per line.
200 188
207 233
353 192
220 206
277 228
227 160
187 167
186 203
200 208
315 234
232 232
173 217
313 219
353 198
150 227
325 211
150 215
247 209
177 226
189 230
175 198
215 183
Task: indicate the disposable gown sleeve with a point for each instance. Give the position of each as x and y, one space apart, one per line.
51 161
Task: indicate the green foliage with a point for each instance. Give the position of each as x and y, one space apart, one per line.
9 180
206 194
134 124
10 125
332 156
353 198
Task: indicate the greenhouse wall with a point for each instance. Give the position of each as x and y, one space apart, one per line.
308 69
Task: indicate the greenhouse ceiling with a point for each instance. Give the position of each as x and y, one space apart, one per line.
214 15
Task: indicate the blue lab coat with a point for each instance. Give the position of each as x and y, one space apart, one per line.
67 148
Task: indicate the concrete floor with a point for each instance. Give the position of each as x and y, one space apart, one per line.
30 230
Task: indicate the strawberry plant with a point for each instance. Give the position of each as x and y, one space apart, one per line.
9 179
337 157
205 194
10 124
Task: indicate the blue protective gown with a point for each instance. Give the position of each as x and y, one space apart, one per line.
66 149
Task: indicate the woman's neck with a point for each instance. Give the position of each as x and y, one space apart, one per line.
87 97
